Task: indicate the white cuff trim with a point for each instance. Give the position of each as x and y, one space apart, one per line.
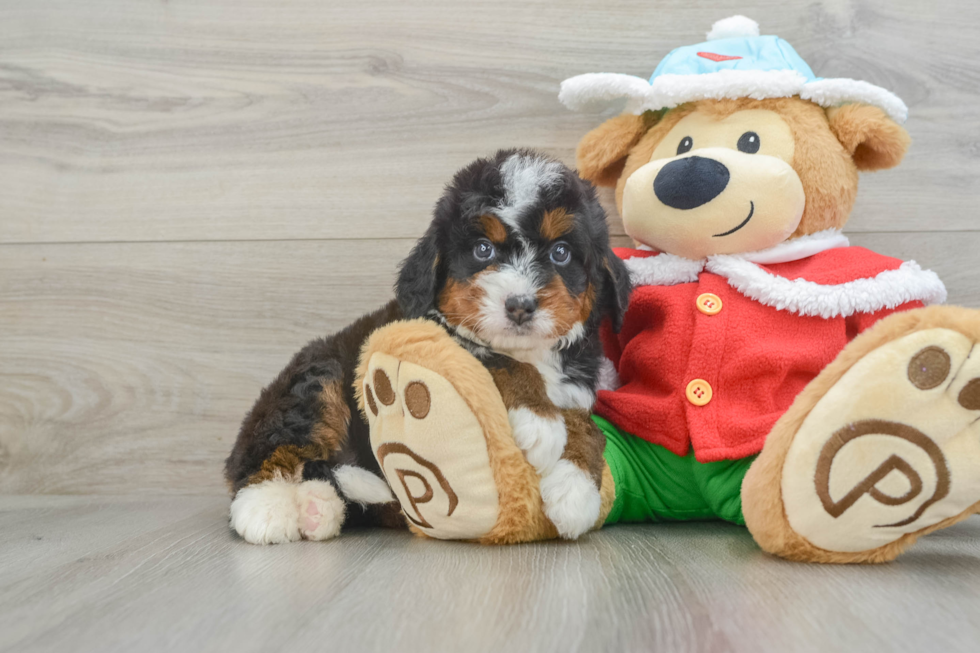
889 289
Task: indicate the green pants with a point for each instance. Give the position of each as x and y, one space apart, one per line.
653 484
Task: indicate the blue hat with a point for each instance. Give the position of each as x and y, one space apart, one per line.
735 62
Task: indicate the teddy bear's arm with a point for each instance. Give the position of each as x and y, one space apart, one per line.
858 323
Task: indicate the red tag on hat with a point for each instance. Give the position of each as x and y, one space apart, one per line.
716 57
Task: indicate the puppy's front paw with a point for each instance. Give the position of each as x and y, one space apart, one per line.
321 511
571 499
542 439
277 511
266 513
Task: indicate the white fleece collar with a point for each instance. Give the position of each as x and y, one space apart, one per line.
669 269
887 290
798 248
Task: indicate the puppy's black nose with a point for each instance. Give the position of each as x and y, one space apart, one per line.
690 182
520 308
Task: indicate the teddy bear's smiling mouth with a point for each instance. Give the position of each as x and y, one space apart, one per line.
744 222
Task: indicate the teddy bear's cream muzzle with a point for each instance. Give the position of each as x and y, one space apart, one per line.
713 201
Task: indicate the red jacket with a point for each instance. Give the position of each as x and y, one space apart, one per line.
784 314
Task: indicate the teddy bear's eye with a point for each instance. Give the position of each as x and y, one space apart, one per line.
749 143
686 144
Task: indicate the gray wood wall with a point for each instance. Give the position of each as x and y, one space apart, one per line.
191 190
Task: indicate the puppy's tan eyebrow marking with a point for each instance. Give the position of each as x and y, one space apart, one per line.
556 224
493 228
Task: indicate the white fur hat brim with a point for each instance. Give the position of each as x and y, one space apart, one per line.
597 90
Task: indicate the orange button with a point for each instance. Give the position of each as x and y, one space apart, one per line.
709 304
699 392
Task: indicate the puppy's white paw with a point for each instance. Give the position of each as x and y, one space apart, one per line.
361 486
320 510
571 499
266 513
542 439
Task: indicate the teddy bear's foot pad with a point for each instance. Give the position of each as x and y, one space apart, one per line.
431 449
891 449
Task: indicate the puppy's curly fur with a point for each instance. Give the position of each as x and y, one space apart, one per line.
516 266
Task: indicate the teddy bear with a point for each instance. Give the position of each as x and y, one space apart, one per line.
766 373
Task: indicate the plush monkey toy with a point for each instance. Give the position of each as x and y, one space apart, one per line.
766 372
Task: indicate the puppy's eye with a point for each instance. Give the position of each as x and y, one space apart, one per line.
749 143
686 144
484 251
561 253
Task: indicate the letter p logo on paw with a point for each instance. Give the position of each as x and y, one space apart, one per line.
431 449
416 497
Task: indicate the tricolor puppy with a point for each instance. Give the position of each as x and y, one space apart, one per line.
516 265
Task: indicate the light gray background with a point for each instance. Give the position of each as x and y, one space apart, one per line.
189 191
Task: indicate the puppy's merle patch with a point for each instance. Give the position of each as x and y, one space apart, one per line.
517 225
525 176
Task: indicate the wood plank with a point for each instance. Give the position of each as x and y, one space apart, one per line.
128 367
209 120
133 364
306 142
123 574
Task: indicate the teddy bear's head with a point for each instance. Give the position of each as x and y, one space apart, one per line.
734 145
728 176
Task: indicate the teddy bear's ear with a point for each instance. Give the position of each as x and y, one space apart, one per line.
874 140
602 152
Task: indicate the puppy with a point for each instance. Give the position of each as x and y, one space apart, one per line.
516 265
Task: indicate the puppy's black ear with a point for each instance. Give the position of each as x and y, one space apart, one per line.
415 289
617 288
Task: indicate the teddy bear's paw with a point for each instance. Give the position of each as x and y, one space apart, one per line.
266 513
542 439
891 449
431 448
571 499
320 510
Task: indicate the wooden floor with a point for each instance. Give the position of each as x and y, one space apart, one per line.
125 574
192 189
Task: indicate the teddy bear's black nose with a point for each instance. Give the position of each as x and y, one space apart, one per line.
690 182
